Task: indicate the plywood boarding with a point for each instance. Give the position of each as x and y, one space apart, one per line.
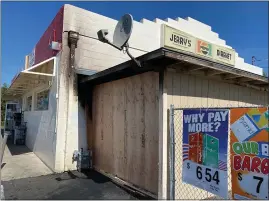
188 91
124 129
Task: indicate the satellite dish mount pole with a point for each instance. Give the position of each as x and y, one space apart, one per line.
129 54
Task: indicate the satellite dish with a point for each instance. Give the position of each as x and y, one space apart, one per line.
121 35
123 31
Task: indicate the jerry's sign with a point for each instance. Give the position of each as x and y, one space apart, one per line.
180 41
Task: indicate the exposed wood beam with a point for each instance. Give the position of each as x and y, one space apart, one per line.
45 74
230 76
244 79
184 69
213 72
16 89
196 68
213 65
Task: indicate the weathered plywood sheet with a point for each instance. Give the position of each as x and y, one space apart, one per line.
124 129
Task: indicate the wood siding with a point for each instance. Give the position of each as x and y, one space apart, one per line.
123 132
189 91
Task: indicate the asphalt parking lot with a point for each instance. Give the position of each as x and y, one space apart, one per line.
67 186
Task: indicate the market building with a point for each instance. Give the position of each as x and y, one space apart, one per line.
82 93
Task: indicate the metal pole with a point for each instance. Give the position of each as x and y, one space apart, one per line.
172 154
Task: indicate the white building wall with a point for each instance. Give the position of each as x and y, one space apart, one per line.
41 136
71 120
95 55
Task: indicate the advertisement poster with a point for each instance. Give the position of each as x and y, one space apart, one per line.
249 153
205 141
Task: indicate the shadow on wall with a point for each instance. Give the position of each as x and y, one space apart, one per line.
84 98
33 123
82 128
40 136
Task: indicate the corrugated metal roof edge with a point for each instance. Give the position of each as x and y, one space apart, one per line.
175 57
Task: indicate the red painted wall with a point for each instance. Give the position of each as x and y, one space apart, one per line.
42 49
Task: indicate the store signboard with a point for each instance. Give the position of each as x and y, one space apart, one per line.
32 58
223 55
205 142
204 48
249 146
180 41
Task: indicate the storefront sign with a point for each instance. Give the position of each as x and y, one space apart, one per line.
204 48
205 140
32 58
224 55
249 153
178 40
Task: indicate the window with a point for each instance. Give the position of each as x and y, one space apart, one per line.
28 106
42 100
11 107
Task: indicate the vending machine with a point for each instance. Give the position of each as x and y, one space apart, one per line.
13 118
196 147
210 151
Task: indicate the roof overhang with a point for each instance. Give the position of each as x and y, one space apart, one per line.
179 62
30 78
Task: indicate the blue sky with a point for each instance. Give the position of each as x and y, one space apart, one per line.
244 25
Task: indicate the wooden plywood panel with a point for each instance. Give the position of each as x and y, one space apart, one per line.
125 129
104 132
101 127
131 129
118 128
97 129
108 156
140 129
151 131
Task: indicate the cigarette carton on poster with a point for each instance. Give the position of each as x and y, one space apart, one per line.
205 140
249 153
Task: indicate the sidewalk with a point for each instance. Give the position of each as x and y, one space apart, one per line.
19 162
